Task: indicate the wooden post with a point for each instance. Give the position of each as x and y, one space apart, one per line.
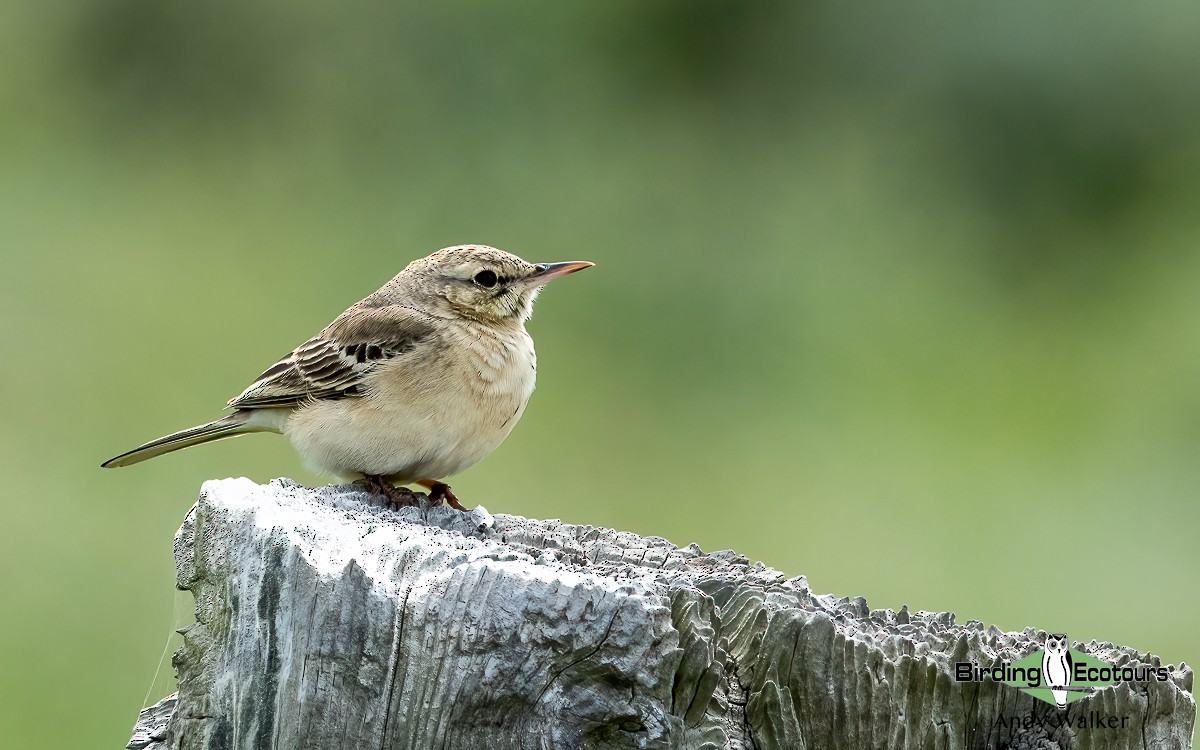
325 620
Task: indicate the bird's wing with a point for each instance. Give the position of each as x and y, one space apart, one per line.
333 363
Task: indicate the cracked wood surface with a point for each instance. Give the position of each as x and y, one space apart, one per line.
327 621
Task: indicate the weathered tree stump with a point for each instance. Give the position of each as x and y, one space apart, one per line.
325 620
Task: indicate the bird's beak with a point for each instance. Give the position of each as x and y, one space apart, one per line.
547 272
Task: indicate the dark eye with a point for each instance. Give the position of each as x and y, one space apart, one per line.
486 279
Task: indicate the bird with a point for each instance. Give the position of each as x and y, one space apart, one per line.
1056 666
414 383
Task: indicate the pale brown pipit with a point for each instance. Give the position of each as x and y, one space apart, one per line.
415 383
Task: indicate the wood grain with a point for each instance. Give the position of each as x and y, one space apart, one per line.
327 621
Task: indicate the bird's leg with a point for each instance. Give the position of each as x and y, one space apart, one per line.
439 491
397 497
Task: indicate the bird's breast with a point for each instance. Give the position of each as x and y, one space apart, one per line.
500 364
426 414
475 387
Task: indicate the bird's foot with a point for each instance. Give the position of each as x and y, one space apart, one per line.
439 491
396 497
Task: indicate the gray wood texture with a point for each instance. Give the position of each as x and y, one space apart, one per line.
325 620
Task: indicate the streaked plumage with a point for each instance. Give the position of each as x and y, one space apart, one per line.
415 383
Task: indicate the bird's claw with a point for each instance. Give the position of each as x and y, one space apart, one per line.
439 491
395 497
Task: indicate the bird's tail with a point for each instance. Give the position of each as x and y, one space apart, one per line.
238 423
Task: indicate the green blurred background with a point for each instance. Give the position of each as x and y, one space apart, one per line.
905 299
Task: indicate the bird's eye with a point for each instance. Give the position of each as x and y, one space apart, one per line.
486 279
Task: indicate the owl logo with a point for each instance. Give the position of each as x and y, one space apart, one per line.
1056 666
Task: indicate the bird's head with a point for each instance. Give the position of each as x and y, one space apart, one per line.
481 282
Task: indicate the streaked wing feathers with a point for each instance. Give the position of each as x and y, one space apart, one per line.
333 363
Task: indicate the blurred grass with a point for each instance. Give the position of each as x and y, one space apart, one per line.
904 300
